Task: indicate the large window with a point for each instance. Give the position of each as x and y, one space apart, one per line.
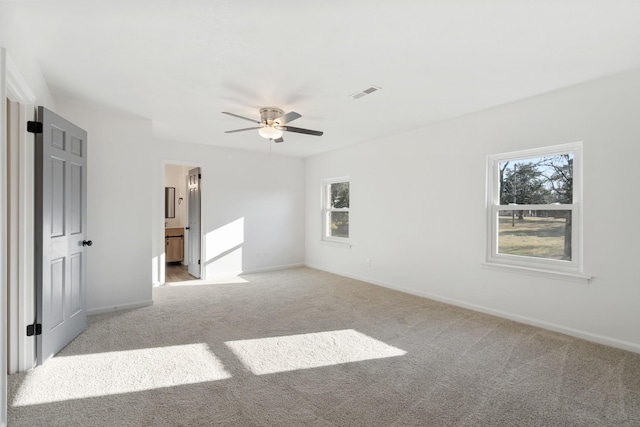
335 196
534 210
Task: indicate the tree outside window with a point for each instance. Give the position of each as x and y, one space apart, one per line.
336 209
534 211
539 233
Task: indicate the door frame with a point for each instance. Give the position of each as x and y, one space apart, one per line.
22 193
196 199
158 233
14 87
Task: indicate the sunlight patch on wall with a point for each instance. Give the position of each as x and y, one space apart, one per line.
225 238
157 269
100 374
229 264
223 248
289 353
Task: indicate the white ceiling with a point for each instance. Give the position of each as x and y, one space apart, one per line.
180 63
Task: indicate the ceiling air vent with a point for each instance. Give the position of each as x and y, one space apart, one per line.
365 92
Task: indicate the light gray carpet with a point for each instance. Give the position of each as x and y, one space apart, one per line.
302 347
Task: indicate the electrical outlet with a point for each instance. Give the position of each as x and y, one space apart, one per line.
367 262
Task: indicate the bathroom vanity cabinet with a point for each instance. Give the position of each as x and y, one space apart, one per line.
174 244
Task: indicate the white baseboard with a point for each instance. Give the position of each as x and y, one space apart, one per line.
275 268
127 306
252 271
588 336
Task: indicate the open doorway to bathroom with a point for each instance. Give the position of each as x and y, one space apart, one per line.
182 235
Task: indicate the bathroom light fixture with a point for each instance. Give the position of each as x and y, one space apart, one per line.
270 132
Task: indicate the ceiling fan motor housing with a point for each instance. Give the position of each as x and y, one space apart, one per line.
269 114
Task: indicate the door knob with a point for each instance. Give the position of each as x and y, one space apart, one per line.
87 243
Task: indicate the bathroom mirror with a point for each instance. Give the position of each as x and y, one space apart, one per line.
169 202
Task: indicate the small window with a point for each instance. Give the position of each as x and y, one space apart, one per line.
336 209
534 210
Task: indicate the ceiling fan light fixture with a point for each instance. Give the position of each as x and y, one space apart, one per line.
273 123
270 132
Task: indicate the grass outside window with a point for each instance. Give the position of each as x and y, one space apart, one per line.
538 237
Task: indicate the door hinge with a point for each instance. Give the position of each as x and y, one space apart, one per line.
35 329
199 176
34 127
198 262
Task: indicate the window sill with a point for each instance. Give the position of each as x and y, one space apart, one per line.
573 277
336 243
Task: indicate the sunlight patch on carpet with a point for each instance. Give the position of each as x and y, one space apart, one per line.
290 353
100 374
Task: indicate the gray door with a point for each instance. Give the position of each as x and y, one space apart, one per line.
194 222
61 224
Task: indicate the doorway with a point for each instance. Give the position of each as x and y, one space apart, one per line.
182 213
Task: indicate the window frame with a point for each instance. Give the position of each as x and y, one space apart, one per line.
540 266
327 209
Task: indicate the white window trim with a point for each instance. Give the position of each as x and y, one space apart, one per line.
567 270
325 236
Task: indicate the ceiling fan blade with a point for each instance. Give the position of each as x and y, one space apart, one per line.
241 117
278 140
300 130
242 130
286 118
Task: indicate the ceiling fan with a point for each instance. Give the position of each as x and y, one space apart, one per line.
272 124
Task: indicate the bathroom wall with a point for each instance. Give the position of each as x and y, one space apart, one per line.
176 176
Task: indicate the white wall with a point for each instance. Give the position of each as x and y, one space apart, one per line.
252 207
119 206
15 37
418 210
